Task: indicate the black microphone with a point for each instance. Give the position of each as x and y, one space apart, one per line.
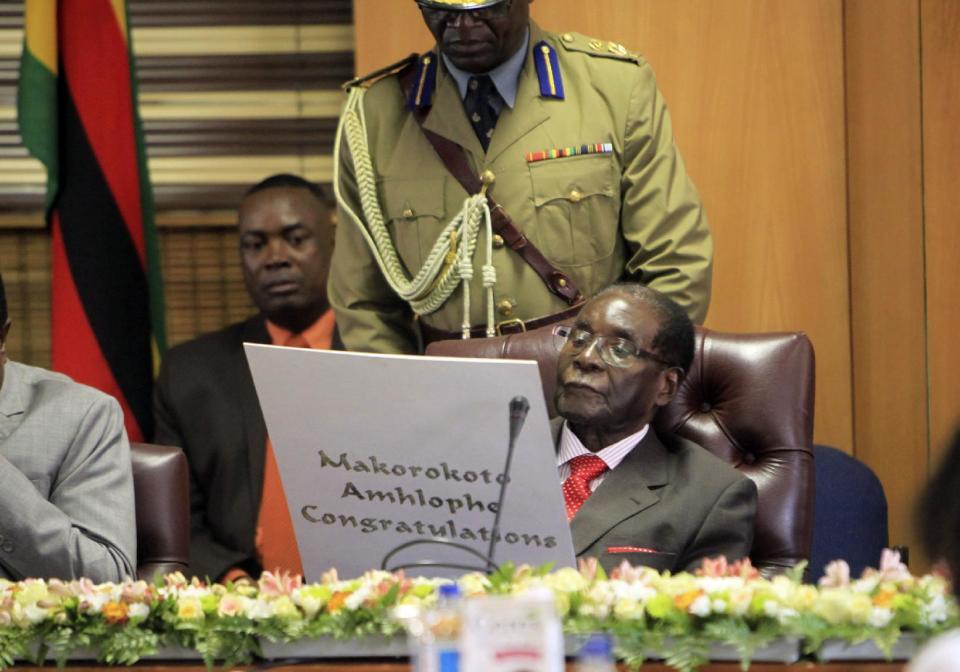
518 413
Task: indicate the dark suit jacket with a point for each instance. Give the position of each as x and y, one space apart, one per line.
205 402
671 498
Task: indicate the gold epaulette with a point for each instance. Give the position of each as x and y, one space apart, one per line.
375 76
595 47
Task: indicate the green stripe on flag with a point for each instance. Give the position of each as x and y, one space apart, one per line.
37 116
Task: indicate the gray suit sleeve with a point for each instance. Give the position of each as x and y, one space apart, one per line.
728 528
86 528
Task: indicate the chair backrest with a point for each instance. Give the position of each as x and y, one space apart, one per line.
161 489
849 514
748 399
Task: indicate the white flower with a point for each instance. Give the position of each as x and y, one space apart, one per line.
35 614
934 611
356 599
258 609
719 607
94 603
139 610
700 606
879 617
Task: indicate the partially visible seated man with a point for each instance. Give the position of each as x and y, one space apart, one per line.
205 401
631 494
66 484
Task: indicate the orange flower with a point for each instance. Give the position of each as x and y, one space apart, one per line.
684 600
335 603
884 598
116 612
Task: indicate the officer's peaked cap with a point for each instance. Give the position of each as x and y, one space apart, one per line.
459 4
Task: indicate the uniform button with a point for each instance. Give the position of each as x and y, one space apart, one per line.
575 196
562 282
596 45
505 307
407 213
567 37
497 241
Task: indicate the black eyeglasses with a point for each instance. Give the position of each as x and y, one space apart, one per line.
492 13
613 350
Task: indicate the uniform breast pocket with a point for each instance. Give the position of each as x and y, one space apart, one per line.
415 215
577 202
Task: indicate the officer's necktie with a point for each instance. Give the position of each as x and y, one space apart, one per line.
576 489
480 109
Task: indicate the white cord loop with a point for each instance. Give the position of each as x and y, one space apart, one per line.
450 262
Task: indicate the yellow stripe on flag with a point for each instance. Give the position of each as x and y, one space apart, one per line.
40 25
120 9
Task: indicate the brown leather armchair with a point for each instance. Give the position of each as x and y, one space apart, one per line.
748 399
161 491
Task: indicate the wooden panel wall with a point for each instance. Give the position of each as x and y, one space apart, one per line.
940 26
886 249
822 135
756 93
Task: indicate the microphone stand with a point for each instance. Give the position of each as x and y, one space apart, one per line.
519 406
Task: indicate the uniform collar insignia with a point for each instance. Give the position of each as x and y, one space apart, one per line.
420 94
548 70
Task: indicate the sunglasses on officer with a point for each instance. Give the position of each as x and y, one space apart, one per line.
491 13
614 350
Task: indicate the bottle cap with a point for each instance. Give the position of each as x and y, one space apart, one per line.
597 645
449 590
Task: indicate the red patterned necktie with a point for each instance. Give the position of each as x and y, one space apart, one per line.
576 489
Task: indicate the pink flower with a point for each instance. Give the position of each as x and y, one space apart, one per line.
230 605
627 572
329 576
836 575
588 568
891 569
275 584
713 567
744 569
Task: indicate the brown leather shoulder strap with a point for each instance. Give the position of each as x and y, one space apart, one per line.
455 160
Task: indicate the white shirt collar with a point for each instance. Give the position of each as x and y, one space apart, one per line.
613 455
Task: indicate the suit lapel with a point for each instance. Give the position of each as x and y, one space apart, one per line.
11 401
255 432
447 118
528 110
625 492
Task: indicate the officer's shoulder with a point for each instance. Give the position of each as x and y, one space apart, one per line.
578 43
393 70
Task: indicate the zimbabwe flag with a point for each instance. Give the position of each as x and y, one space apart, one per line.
77 110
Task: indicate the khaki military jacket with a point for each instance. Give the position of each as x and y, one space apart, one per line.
631 213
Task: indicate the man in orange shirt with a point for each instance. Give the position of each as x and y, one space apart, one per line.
205 400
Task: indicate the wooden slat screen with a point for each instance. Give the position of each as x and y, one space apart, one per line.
230 91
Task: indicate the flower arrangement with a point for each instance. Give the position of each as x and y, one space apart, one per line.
679 617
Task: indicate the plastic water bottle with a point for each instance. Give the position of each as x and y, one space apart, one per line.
439 649
596 655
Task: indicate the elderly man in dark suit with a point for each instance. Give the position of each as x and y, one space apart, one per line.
205 400
632 495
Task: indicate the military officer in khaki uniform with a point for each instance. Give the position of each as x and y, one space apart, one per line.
568 134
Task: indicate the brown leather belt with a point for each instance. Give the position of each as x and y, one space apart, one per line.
514 326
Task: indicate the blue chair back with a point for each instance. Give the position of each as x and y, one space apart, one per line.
849 513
